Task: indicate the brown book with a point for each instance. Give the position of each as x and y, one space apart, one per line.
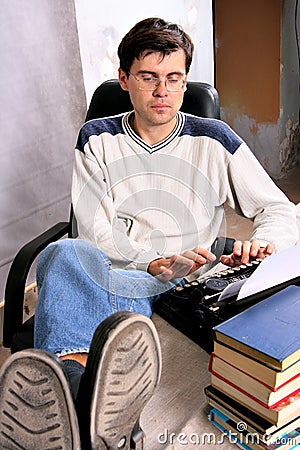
268 434
262 372
250 385
279 415
235 409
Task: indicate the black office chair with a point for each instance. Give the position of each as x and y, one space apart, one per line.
200 99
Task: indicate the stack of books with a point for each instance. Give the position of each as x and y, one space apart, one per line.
255 374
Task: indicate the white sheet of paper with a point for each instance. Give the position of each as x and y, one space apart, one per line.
232 289
272 271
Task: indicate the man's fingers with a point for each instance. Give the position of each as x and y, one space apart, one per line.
245 251
242 251
209 256
237 248
200 255
255 246
269 249
165 274
194 257
182 260
176 270
228 260
266 251
179 266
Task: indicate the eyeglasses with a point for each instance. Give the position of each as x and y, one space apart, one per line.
174 83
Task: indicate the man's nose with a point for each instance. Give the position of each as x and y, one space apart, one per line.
161 89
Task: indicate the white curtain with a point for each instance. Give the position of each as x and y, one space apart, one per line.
42 107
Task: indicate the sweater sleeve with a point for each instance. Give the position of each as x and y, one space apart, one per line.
253 194
97 219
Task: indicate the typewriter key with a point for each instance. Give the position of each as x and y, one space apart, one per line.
179 288
216 284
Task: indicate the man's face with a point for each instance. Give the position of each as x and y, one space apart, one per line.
158 107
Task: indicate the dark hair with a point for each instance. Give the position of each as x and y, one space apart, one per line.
154 35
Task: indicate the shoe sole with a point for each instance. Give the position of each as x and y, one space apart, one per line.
36 405
125 366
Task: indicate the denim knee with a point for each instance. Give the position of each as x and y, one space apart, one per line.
60 254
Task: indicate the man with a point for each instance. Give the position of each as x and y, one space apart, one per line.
148 193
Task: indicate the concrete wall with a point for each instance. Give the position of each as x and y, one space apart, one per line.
248 73
102 25
257 75
46 78
290 86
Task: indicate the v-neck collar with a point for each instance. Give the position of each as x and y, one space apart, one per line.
128 128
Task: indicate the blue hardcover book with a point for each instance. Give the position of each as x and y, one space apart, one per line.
221 422
237 433
268 331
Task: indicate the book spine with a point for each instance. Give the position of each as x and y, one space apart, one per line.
210 368
232 436
265 405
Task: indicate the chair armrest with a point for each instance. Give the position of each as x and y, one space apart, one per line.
17 276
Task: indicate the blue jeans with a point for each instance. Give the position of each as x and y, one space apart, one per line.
78 289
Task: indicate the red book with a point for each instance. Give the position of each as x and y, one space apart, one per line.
246 383
279 414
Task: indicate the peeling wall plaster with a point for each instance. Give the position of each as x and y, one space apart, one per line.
290 147
102 25
289 86
257 75
262 138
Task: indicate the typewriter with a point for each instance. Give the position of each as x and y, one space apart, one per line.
195 307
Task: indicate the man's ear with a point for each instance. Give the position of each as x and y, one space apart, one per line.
123 79
185 88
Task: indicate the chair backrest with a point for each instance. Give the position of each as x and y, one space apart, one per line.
200 99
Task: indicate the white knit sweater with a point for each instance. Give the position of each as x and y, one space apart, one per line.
138 202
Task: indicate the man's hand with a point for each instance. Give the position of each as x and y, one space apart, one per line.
246 251
178 266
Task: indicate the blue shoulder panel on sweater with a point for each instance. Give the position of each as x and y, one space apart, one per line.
96 127
215 129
